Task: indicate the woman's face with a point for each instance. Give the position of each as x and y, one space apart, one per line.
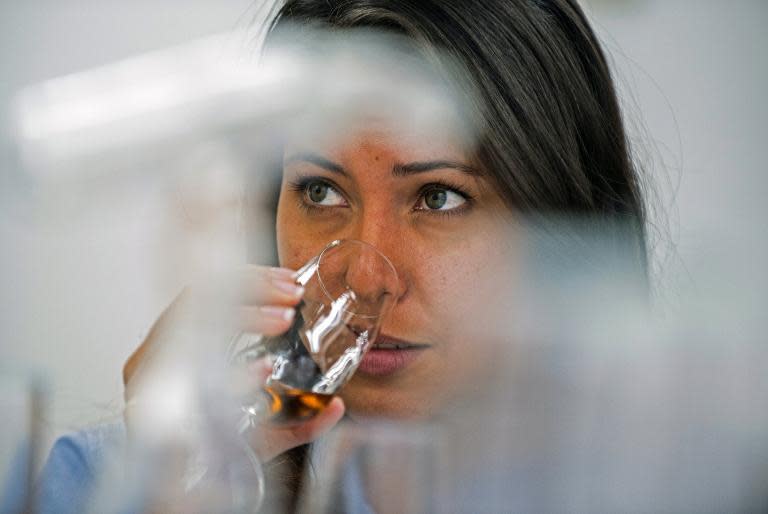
419 200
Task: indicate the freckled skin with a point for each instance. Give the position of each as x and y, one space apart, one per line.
443 261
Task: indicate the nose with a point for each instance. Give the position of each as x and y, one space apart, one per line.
359 266
375 230
372 276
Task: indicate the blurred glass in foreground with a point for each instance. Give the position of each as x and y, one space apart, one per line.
591 402
182 145
23 402
575 395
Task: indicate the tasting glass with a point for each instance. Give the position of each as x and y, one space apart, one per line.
350 287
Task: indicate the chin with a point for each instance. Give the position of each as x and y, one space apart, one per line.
382 404
389 412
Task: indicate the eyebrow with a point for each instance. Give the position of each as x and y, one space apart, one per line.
399 170
404 170
317 161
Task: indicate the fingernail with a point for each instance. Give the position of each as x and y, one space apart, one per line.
289 288
282 273
283 313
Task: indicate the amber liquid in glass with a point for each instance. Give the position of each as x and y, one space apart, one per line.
288 405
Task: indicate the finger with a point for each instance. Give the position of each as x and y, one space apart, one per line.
259 371
247 381
320 424
270 286
274 440
268 320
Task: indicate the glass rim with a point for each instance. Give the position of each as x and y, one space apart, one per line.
336 243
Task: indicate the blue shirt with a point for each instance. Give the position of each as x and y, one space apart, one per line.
68 479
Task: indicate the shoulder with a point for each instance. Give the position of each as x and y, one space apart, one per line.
83 452
72 466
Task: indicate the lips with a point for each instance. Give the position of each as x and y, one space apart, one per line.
389 356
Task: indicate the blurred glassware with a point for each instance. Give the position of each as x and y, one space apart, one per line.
22 404
189 451
373 467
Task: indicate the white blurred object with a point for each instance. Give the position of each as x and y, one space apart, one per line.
215 87
159 154
151 99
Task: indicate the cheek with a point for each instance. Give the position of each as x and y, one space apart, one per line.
297 242
291 245
450 282
468 314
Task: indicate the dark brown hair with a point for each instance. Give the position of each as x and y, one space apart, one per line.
552 138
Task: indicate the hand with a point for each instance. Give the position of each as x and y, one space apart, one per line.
272 440
267 308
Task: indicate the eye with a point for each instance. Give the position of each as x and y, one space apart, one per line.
440 199
319 192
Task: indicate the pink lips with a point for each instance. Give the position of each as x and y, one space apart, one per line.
385 361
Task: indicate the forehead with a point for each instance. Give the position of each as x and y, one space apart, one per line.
383 139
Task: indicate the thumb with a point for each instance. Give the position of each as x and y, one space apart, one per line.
271 440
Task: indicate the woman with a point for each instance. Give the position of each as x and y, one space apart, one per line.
550 140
